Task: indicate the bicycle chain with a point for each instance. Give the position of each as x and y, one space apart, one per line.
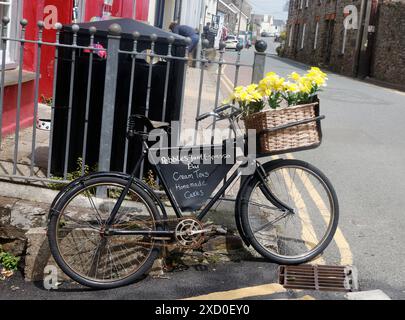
172 242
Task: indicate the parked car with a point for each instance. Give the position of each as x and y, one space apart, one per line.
265 34
231 42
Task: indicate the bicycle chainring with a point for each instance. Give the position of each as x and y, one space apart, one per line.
189 233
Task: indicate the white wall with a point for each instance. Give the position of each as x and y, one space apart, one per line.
152 12
191 13
265 27
170 6
243 23
211 6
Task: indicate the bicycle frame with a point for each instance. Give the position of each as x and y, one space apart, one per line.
259 172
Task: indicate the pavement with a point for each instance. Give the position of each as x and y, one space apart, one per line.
233 280
363 154
23 151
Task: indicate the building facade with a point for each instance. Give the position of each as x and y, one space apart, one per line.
267 23
236 15
50 12
278 26
352 37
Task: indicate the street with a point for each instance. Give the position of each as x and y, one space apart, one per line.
363 155
230 281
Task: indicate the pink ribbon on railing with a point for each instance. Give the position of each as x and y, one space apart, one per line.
102 53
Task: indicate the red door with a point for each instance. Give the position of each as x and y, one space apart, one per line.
119 8
53 11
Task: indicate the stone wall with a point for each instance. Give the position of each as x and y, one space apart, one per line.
389 49
388 59
329 16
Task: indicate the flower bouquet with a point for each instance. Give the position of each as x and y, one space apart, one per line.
284 113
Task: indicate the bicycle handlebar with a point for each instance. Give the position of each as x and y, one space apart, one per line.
207 115
223 108
218 110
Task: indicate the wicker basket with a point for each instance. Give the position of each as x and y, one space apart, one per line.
286 130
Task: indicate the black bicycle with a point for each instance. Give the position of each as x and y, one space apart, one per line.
106 229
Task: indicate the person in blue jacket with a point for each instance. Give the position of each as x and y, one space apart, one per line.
186 31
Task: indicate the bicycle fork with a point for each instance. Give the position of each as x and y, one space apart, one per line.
269 195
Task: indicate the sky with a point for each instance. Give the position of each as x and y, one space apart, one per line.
271 7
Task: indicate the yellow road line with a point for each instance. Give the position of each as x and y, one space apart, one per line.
318 260
306 297
227 83
263 290
308 233
346 256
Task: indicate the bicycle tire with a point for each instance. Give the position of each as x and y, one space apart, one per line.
271 252
54 223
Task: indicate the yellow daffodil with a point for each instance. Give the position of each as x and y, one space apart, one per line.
295 76
291 87
317 71
305 85
271 74
272 82
317 77
264 90
273 89
246 94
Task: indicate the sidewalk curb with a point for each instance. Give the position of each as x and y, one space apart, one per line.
27 192
29 213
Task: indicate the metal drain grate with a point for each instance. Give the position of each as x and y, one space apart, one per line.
316 277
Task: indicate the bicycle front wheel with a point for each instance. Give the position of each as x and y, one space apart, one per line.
85 252
290 236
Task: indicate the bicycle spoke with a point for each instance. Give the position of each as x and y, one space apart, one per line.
300 232
265 206
94 207
271 223
92 253
78 222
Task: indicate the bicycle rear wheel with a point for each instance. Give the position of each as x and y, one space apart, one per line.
81 248
288 237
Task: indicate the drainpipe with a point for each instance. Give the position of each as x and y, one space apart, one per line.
202 21
359 38
364 61
240 17
82 10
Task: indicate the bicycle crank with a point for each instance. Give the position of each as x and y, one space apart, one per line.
189 233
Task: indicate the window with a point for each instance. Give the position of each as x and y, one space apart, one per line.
344 41
303 35
291 34
11 9
316 35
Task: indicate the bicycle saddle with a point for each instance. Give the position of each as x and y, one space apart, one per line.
160 125
141 125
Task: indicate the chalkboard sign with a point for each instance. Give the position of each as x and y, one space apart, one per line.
192 175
